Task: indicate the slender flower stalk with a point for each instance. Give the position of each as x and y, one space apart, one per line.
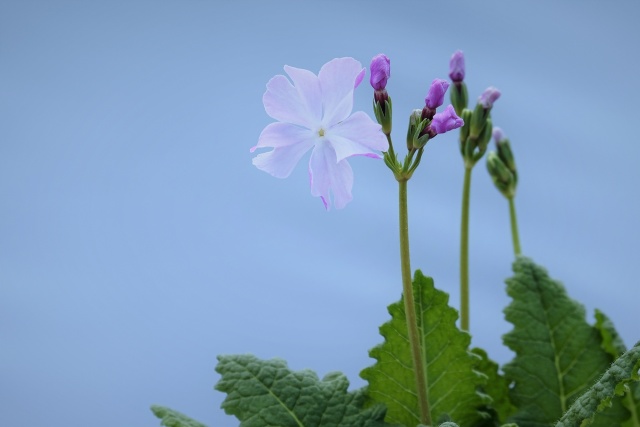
417 354
514 227
464 251
474 137
380 73
424 125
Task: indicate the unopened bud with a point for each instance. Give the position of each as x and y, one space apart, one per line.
456 67
435 96
482 110
504 151
501 176
416 135
380 72
488 97
445 121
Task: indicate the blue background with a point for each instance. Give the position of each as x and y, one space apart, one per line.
137 241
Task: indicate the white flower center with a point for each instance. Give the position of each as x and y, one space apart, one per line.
321 132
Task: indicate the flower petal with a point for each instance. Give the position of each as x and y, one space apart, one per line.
360 77
282 101
357 136
280 161
327 175
280 134
308 86
338 79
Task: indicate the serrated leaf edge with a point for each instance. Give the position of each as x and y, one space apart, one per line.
599 396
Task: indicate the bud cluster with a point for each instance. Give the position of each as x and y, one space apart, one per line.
476 132
424 124
502 166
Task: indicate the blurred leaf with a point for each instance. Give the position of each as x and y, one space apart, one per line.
600 395
611 341
452 380
264 393
171 418
558 354
497 386
613 344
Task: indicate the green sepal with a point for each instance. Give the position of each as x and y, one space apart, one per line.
171 418
478 120
416 126
558 354
459 97
469 147
501 176
599 396
384 115
506 155
464 130
267 393
485 136
392 162
451 377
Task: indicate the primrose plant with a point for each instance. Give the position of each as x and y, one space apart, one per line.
565 372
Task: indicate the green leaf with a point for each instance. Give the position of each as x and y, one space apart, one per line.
632 403
613 382
497 386
452 380
612 343
558 354
171 418
262 393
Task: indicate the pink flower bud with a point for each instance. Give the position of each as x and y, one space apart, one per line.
488 97
498 135
446 121
380 71
456 67
435 97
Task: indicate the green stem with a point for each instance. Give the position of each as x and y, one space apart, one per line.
391 152
410 309
514 227
464 251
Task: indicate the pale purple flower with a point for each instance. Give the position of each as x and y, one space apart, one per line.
380 71
314 113
435 97
456 67
488 97
446 120
498 135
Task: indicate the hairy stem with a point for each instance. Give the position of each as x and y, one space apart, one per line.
410 309
464 251
514 227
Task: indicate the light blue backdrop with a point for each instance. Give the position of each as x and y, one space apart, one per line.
137 241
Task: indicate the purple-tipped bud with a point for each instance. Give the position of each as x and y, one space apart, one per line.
456 67
435 97
445 121
380 71
488 97
498 135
